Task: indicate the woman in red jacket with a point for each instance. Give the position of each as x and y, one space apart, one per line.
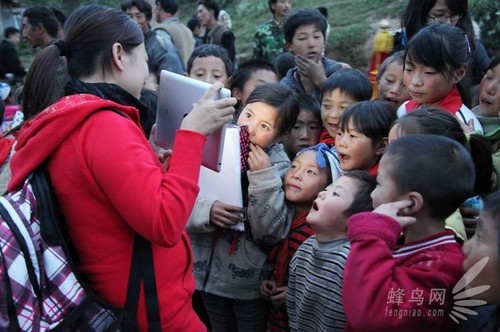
107 178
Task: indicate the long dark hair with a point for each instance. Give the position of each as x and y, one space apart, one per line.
90 33
445 48
416 14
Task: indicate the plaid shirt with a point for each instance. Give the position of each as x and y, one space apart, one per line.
55 291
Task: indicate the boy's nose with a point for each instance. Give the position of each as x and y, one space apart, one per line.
304 133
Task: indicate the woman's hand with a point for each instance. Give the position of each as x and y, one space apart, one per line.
207 114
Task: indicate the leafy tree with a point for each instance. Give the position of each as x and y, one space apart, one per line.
487 14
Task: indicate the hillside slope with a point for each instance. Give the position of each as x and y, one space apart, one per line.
353 24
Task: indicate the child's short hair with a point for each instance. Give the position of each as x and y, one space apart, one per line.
300 17
437 121
362 202
495 60
283 98
193 23
492 208
443 47
351 81
9 31
397 57
310 104
372 118
437 167
284 62
247 68
206 50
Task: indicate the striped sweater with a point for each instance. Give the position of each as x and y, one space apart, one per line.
281 255
314 296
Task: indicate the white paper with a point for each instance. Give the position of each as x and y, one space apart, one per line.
225 185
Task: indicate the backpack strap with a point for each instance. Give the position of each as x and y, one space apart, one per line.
142 268
23 246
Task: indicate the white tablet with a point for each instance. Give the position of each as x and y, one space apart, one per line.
176 97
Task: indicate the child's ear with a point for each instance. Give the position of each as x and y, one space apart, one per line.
382 145
288 46
459 74
236 93
418 203
229 82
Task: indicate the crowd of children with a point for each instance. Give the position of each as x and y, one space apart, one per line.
354 208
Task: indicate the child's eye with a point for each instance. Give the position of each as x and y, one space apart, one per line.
352 136
408 70
430 73
264 126
248 115
310 171
389 80
335 194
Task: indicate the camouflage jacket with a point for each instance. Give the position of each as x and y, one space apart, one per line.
269 41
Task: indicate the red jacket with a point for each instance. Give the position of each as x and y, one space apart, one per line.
109 184
388 288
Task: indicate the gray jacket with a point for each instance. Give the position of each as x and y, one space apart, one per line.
230 263
161 55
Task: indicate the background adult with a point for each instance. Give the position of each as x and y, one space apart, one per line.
40 27
9 57
108 180
168 22
159 57
215 33
269 40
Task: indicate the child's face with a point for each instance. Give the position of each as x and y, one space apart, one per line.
209 69
386 190
390 87
333 104
326 215
356 151
261 120
489 99
425 84
308 41
305 132
484 243
304 179
258 78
